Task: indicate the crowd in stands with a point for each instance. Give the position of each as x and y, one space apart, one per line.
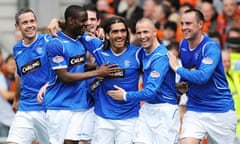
222 23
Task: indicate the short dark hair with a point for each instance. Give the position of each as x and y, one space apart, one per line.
92 7
210 1
72 11
171 25
22 11
198 13
233 43
174 3
233 29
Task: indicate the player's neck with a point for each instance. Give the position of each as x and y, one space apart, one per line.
118 50
153 47
28 41
194 43
70 34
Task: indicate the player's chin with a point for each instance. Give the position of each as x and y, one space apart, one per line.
30 36
145 44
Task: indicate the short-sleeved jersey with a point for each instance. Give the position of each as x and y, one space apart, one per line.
127 78
208 89
158 78
66 53
33 69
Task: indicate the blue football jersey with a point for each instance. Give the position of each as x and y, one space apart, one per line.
158 78
66 53
127 78
33 69
203 70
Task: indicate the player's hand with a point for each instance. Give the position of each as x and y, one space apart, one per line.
41 93
117 94
173 61
106 70
53 27
15 106
100 33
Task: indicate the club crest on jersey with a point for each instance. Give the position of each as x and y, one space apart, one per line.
33 65
58 59
155 74
126 63
119 74
76 60
39 50
207 60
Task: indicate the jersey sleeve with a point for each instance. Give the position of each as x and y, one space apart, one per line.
15 54
158 69
91 43
55 51
48 37
210 60
94 46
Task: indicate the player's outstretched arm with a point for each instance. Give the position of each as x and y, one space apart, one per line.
104 70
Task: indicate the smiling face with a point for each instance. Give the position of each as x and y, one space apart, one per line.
191 26
117 37
79 23
146 34
92 21
27 25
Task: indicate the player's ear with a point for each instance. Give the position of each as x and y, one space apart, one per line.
98 22
17 26
107 36
200 24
